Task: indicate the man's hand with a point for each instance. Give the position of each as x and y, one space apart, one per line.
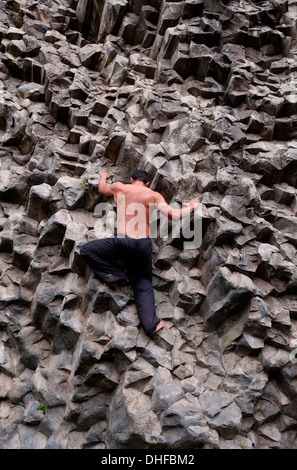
104 174
107 188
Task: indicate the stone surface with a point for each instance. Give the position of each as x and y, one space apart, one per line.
201 94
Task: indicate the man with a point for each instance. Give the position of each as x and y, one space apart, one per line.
132 244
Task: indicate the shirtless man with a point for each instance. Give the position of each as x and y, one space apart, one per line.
132 244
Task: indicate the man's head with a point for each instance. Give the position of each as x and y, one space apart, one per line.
140 175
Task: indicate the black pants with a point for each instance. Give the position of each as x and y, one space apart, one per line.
103 257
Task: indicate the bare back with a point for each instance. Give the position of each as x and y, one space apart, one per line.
134 205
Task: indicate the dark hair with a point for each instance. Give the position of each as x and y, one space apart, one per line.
140 175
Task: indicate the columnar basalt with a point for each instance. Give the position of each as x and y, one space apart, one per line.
201 94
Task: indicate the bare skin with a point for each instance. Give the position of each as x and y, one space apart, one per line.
134 197
134 204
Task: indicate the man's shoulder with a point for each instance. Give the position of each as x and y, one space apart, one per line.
118 185
157 196
154 195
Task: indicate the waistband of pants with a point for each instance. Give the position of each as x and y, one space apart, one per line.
123 235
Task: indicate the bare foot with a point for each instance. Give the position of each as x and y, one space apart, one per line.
159 327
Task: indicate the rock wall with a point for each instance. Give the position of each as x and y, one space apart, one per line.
202 94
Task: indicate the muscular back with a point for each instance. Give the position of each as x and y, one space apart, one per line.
134 205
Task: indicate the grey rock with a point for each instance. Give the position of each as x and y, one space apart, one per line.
186 419
165 395
33 415
55 228
225 293
38 199
75 233
136 411
221 413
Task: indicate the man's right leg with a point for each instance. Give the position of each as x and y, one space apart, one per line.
145 303
137 255
101 256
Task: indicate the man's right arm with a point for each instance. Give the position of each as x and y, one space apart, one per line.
108 189
173 213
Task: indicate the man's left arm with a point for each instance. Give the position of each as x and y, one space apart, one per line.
173 213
